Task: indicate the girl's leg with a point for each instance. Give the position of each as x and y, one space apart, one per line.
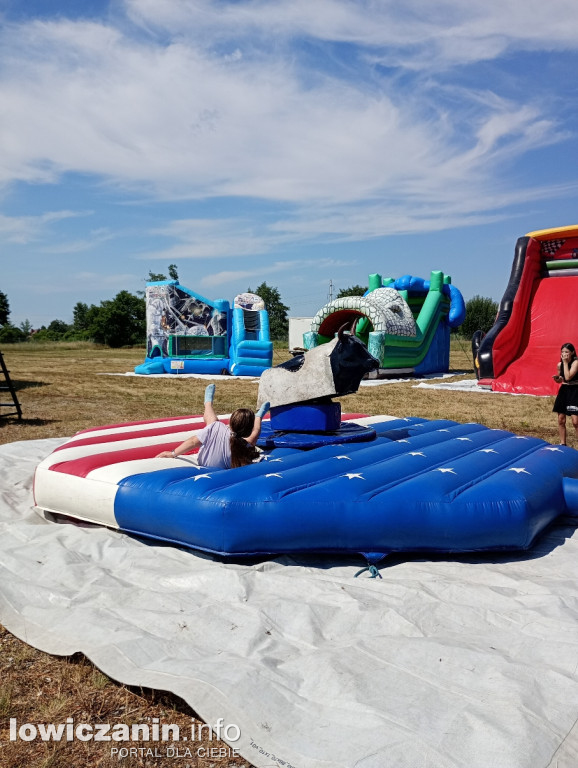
574 418
562 428
209 415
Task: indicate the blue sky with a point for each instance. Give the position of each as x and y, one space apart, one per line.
292 141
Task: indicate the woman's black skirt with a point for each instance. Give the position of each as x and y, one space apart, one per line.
567 400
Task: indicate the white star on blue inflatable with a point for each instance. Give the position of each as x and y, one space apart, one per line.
198 477
343 457
487 450
416 453
469 439
553 448
445 469
519 470
351 475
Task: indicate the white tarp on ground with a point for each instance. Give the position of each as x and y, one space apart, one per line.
469 385
211 376
457 662
464 385
219 377
402 380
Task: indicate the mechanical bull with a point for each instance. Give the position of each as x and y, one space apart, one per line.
330 370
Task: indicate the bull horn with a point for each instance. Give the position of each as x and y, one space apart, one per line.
341 330
353 326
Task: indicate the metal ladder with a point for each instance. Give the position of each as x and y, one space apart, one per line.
9 387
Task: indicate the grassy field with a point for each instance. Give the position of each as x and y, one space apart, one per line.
62 389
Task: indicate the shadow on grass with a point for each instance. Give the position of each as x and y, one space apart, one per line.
20 384
13 420
152 697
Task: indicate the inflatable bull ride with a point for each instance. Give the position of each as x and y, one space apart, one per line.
301 421
326 483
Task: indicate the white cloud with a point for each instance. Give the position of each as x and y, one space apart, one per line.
188 125
225 278
198 99
214 238
244 241
95 239
21 230
97 280
264 270
180 120
416 33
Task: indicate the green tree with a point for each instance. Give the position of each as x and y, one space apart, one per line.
480 315
278 320
56 331
10 334
4 309
120 321
26 327
58 328
80 316
155 277
355 290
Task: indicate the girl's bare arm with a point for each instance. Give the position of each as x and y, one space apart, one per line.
186 446
570 371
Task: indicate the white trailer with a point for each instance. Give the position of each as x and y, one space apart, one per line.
297 327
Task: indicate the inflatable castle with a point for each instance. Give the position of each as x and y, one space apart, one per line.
405 323
188 333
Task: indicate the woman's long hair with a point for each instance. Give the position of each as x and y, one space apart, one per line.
241 425
572 350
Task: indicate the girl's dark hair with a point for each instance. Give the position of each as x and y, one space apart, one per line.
241 425
571 349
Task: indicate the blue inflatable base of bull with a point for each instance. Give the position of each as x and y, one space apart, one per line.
432 486
347 433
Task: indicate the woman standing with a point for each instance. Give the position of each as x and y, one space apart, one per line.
566 402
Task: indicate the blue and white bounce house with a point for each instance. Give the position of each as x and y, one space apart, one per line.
188 333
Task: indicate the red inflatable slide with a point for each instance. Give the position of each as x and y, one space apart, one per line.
538 313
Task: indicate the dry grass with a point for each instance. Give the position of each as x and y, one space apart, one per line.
38 688
61 392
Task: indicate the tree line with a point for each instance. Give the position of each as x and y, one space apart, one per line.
121 321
